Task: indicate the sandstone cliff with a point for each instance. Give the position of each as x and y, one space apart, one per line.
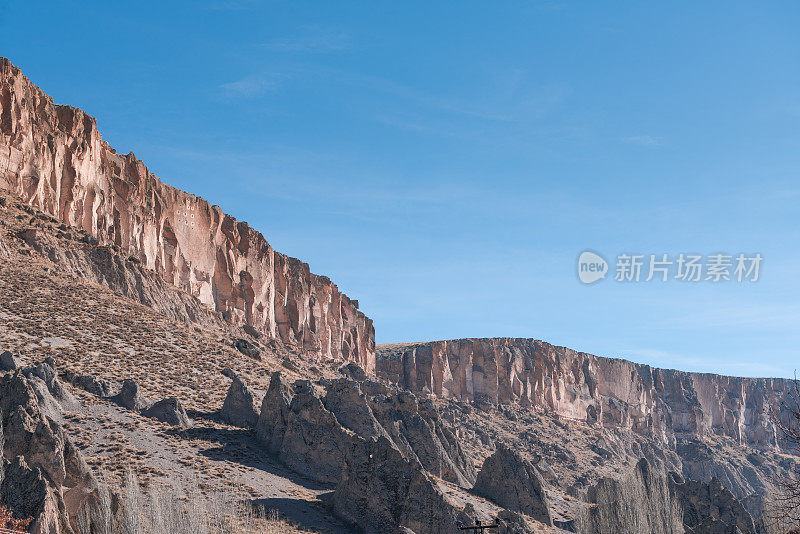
659 403
53 157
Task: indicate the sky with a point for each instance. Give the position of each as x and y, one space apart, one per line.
446 163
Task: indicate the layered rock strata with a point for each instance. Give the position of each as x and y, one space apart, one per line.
53 158
659 403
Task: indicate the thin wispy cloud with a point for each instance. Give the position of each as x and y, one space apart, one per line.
644 140
231 5
249 87
311 39
702 364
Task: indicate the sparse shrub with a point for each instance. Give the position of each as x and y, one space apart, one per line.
782 506
164 510
8 522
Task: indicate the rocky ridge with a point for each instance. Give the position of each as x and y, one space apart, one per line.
392 460
54 159
662 403
701 426
45 477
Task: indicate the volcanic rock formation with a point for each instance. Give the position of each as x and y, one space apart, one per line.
239 406
53 157
514 483
46 477
311 427
647 500
661 403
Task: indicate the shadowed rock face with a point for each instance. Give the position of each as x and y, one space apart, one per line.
648 500
658 403
311 427
381 491
239 406
710 507
170 411
643 501
46 477
53 158
514 483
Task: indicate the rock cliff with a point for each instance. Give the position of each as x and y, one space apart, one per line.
659 403
54 159
647 500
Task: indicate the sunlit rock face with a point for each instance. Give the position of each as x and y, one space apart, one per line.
53 157
663 404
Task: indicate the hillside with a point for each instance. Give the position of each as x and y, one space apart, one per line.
153 341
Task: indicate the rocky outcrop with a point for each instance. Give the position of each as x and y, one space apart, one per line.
53 158
28 494
45 475
383 492
710 507
238 409
247 348
170 411
311 426
130 396
92 384
513 482
648 501
301 432
9 362
353 371
642 502
53 397
658 403
416 429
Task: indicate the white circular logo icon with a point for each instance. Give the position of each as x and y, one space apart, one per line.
591 267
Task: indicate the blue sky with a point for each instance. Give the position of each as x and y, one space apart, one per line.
445 164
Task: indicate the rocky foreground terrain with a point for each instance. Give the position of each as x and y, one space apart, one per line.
150 343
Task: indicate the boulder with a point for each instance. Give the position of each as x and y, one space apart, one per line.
513 482
250 331
238 409
96 386
170 411
353 371
247 348
130 396
9 362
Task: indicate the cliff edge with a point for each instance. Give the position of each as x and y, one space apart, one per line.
53 157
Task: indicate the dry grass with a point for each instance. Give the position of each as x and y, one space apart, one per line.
163 510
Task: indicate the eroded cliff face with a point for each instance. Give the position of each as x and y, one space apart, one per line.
663 404
53 157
